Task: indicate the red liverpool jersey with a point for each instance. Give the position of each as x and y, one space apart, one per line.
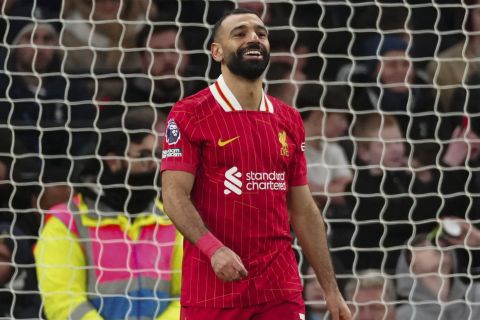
244 162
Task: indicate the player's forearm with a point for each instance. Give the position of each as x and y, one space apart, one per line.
182 212
310 230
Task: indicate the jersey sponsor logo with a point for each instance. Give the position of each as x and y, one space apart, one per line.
232 181
282 138
223 143
172 133
172 153
254 181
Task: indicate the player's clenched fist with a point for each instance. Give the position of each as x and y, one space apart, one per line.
227 265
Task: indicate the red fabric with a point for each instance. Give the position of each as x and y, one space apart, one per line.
208 244
285 310
465 121
254 224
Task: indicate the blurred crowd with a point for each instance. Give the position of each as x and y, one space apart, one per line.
388 92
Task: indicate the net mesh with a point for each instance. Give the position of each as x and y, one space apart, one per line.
387 90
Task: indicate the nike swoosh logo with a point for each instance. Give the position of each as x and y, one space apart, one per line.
224 143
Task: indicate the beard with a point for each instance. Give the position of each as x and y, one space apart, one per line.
136 196
248 69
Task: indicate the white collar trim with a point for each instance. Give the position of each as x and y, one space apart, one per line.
228 102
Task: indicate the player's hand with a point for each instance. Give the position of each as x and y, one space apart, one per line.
337 307
227 265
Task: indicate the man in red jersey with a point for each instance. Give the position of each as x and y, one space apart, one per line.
233 168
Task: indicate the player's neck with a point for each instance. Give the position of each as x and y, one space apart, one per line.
248 93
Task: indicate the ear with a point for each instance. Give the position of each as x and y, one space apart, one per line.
114 164
217 52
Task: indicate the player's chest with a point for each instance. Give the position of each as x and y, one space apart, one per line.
254 140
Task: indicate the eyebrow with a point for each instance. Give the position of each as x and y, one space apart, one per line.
243 26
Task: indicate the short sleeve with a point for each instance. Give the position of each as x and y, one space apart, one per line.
180 150
298 166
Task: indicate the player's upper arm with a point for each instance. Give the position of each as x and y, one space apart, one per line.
176 183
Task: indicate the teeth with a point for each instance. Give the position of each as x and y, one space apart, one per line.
253 52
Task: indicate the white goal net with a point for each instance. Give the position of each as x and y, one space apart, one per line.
389 94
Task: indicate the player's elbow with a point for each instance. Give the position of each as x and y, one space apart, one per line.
169 197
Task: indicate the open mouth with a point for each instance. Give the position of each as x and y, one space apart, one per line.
252 53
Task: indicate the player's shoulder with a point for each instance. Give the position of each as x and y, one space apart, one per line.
284 110
194 103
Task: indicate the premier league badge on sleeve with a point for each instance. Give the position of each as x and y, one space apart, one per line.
172 133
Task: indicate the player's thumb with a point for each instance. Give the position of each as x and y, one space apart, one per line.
241 268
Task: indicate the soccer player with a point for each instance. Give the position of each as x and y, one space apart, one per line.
234 178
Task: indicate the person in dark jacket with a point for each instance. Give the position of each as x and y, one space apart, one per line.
163 77
460 184
386 80
19 297
384 211
50 114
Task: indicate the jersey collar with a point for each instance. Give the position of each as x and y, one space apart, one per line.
228 102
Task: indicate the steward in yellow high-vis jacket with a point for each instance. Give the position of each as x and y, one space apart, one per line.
111 252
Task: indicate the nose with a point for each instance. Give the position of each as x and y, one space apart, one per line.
39 40
170 59
395 147
254 37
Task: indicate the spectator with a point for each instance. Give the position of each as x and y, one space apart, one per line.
458 63
299 57
50 113
163 65
258 6
5 6
19 298
427 279
390 83
469 235
324 115
130 260
314 296
98 35
283 81
372 296
19 224
383 212
460 181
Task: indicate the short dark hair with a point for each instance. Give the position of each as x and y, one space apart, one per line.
148 30
230 13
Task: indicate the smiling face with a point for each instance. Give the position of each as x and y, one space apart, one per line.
370 306
386 150
241 44
394 71
36 49
165 58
